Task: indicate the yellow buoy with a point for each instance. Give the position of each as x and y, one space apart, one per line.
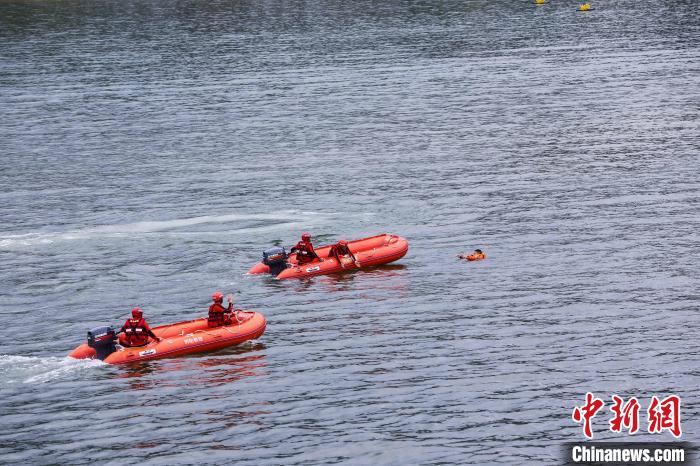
539 2
584 7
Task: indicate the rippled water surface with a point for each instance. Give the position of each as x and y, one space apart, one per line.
150 150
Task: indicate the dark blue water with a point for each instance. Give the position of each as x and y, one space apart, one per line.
150 150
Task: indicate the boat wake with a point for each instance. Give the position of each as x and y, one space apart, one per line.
31 369
279 220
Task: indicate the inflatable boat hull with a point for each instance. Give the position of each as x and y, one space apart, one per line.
369 252
193 336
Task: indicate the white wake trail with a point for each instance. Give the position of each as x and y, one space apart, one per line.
284 219
33 369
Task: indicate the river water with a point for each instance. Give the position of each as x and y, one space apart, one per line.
150 150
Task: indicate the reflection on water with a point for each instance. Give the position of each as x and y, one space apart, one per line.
393 278
201 369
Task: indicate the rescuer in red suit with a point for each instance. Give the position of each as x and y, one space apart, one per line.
218 314
342 253
135 331
305 250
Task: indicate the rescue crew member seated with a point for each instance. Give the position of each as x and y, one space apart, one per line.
305 250
135 331
342 253
218 314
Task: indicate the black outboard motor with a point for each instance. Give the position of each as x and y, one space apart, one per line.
102 340
276 259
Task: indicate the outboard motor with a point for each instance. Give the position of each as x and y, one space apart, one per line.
276 259
102 340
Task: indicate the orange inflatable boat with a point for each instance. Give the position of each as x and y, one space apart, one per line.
192 336
368 252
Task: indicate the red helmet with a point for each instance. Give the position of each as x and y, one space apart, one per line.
136 313
218 296
305 237
343 242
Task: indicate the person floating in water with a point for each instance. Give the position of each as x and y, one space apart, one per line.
477 255
341 251
305 250
135 331
218 314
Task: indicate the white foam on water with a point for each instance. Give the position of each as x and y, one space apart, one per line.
153 226
29 239
33 369
285 219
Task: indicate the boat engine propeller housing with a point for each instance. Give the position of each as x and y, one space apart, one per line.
276 259
102 339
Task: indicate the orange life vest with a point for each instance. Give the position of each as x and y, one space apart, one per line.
305 252
218 316
342 254
476 257
135 332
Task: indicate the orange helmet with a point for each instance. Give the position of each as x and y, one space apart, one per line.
218 296
136 313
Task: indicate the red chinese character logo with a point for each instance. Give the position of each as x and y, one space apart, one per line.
626 416
665 415
587 412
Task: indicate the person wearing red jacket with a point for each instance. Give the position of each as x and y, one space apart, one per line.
305 250
135 331
341 251
218 314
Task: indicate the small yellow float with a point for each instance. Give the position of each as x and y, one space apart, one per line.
584 7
